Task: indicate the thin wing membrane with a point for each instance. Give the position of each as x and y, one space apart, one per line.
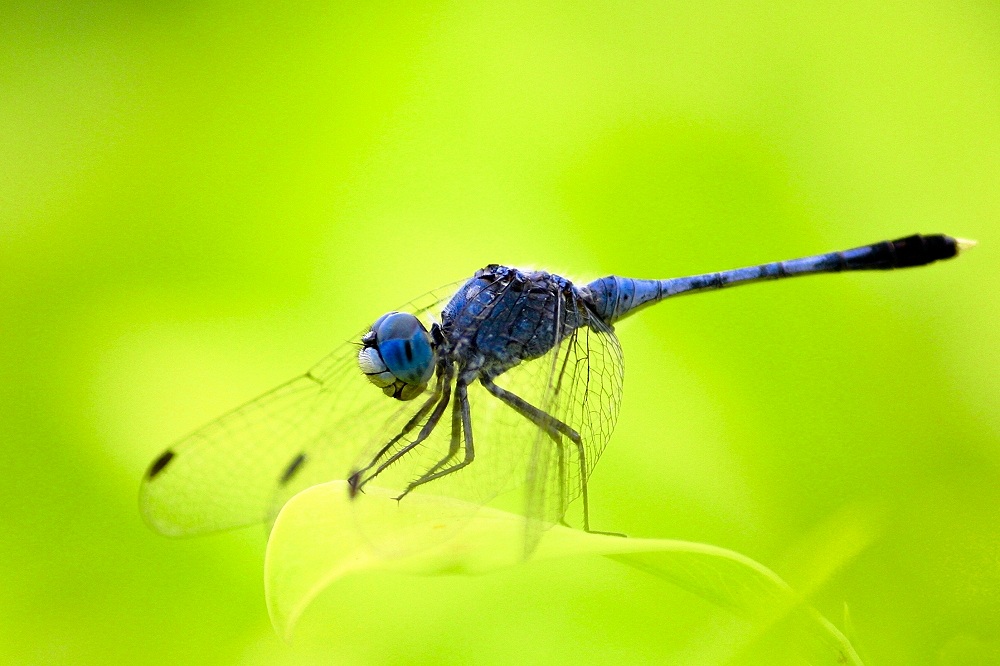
238 469
583 392
576 385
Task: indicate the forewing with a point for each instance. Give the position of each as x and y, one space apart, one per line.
240 468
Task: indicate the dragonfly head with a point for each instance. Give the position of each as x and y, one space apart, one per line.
397 356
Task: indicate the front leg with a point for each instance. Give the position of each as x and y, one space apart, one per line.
354 480
461 423
357 480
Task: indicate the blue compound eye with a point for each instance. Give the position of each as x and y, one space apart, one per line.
398 358
405 347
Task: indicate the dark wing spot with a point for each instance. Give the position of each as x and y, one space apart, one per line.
408 348
293 468
160 463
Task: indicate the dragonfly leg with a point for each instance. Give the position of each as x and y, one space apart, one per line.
355 477
553 427
461 424
358 479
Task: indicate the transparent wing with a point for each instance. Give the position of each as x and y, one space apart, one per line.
408 448
240 468
577 384
583 393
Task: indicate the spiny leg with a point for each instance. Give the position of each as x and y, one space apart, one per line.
553 427
355 476
461 422
456 429
356 482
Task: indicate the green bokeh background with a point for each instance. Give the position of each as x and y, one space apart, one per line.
198 200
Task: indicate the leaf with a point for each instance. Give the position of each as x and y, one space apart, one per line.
315 542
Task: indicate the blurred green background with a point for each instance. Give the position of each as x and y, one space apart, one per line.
198 200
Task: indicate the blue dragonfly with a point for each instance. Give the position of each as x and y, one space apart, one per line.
510 379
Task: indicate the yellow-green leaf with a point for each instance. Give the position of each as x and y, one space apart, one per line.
315 541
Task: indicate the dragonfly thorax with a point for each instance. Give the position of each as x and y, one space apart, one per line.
397 355
503 316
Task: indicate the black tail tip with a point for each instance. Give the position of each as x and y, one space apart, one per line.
919 250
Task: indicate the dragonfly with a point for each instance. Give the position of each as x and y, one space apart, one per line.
510 379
